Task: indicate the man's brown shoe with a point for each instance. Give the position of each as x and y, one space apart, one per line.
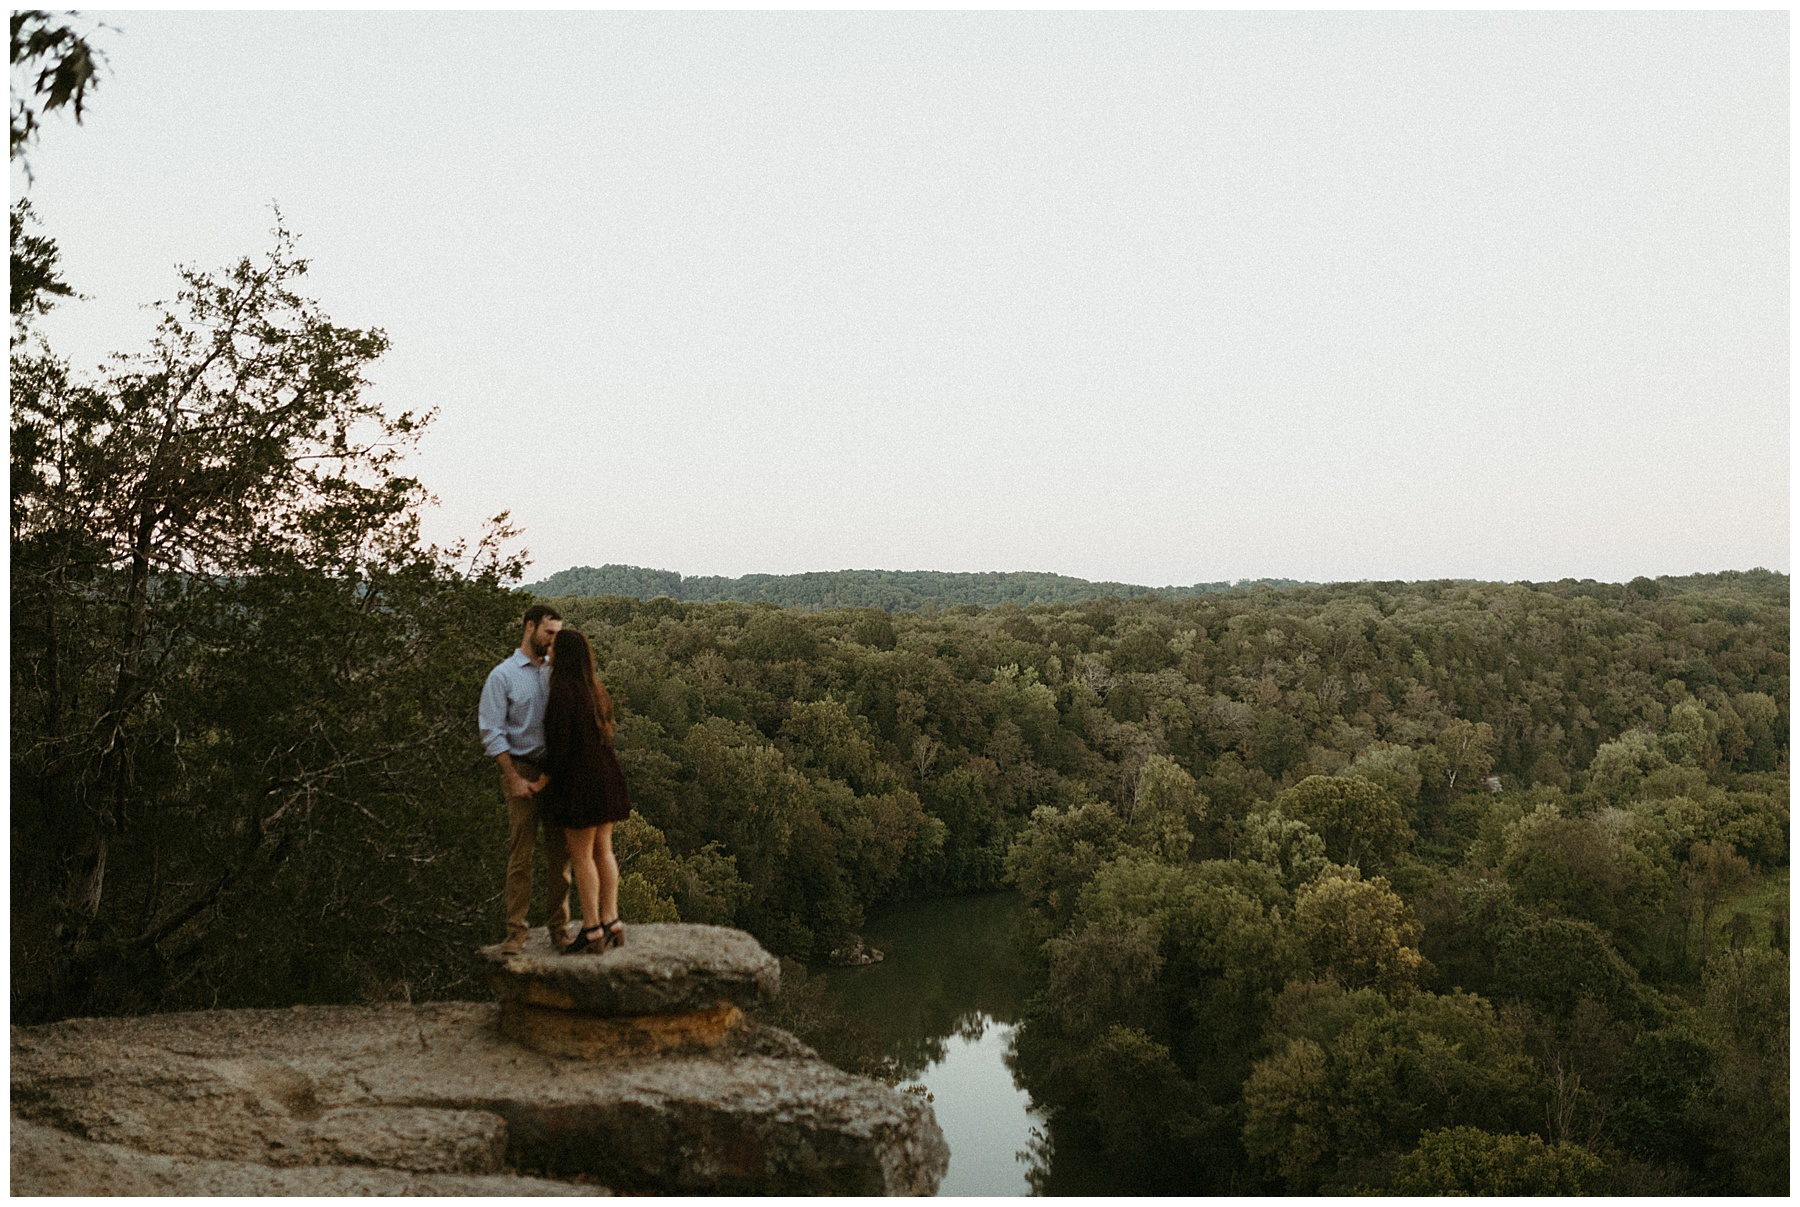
515 943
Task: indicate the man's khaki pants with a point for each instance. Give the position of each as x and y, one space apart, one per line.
522 816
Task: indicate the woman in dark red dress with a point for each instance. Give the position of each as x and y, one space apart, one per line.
584 787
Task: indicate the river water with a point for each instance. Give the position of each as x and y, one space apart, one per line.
945 1002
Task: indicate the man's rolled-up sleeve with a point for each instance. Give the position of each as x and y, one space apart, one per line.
492 714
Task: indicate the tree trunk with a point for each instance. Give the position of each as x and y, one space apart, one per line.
115 775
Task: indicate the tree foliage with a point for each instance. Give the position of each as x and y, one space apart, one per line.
1469 1161
889 590
37 282
53 66
1359 934
1354 1081
237 673
1360 822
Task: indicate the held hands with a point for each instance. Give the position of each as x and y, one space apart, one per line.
517 785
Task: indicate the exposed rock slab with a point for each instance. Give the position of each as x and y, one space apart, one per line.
439 1088
856 954
663 968
46 1161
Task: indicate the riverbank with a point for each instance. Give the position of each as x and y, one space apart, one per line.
945 1002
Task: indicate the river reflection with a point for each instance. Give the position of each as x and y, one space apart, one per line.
946 1002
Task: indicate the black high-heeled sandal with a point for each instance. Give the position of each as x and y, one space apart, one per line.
614 934
583 941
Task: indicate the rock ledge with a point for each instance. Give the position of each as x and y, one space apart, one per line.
436 1099
663 968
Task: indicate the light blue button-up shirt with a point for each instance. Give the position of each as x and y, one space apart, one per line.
512 706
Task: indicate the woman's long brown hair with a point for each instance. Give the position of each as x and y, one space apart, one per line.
574 687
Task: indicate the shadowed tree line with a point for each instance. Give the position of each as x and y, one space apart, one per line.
889 590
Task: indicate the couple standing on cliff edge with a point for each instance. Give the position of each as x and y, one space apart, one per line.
548 721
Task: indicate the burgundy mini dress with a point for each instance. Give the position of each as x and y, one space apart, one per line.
587 785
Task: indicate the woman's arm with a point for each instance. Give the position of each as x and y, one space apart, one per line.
556 748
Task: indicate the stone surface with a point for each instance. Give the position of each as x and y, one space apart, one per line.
591 1037
46 1161
438 1088
248 1106
856 954
663 968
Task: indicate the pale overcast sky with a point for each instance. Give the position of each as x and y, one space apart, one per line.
1156 297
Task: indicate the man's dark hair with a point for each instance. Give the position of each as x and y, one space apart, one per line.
541 612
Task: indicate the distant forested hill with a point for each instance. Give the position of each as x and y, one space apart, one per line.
890 590
1407 859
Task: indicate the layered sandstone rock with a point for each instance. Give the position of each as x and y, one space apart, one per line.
687 1096
663 968
670 988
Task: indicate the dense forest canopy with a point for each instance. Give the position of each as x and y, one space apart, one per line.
1523 847
889 590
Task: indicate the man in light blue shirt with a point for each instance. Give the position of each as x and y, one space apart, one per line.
512 733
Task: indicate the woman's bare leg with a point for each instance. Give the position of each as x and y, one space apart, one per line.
587 876
608 869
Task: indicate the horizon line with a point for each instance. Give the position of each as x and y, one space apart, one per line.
1242 580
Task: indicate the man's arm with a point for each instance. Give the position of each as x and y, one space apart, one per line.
514 784
492 719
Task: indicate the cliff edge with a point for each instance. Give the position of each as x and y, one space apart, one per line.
635 1071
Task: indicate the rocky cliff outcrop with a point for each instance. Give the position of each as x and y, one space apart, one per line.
633 1071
